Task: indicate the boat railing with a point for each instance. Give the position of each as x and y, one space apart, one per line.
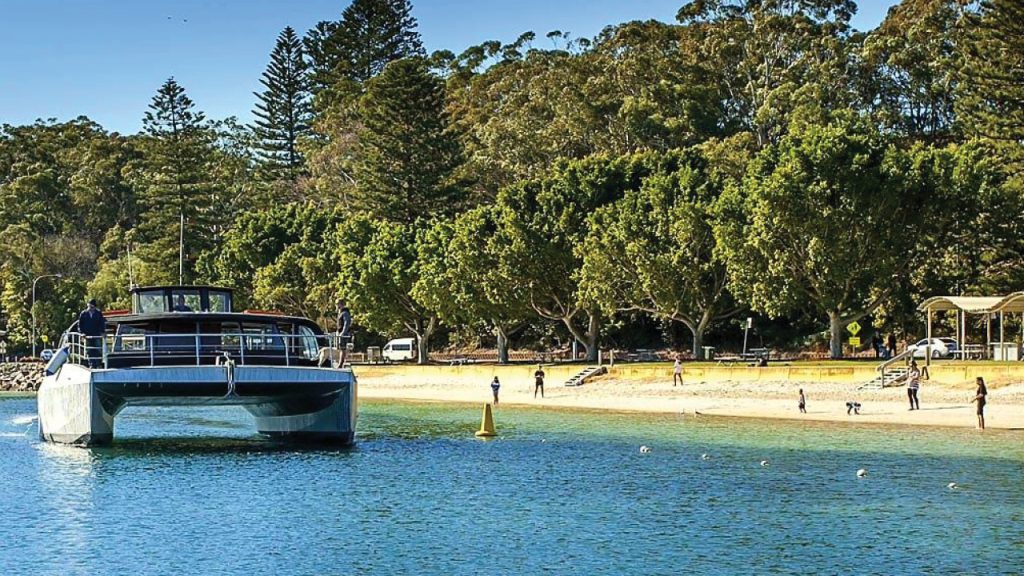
195 349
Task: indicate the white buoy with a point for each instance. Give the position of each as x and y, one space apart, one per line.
705 457
951 486
862 473
764 462
645 449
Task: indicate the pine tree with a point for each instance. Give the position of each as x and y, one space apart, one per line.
371 33
992 105
283 110
406 154
176 182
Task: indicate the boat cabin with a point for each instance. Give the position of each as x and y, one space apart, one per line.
194 326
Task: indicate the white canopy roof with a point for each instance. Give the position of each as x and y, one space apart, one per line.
975 304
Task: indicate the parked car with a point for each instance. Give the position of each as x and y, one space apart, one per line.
941 347
399 349
46 354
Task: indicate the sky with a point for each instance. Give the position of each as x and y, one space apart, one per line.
105 59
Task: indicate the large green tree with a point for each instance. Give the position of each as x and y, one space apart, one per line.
461 277
377 266
283 111
654 250
834 217
407 153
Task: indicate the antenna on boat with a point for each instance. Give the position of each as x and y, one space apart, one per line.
181 250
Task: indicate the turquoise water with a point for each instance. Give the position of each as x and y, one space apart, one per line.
197 492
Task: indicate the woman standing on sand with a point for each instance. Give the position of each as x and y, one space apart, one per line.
913 383
803 402
980 397
494 388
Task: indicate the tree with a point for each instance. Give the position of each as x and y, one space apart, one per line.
461 276
772 57
835 215
543 222
176 184
992 103
377 269
407 155
283 110
371 34
914 57
654 250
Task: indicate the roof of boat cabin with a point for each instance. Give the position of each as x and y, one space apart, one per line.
179 287
201 316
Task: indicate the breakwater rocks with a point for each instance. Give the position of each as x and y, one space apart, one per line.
21 376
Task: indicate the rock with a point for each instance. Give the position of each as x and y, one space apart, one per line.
21 376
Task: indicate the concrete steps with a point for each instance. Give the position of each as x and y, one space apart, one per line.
587 373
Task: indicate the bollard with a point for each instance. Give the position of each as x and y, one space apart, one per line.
486 424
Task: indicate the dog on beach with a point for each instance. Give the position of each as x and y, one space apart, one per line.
854 406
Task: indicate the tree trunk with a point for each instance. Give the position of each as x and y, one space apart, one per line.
591 342
502 344
836 335
423 341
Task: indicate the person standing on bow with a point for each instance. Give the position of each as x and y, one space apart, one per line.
93 327
344 334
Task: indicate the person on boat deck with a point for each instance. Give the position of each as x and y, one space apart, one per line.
93 326
180 305
344 329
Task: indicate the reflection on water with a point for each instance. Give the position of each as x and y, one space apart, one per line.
197 491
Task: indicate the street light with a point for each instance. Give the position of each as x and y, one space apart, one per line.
38 278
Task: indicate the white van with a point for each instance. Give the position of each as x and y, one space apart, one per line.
399 350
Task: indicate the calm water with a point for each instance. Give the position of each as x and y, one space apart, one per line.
196 491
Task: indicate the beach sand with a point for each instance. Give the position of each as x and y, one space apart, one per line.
942 404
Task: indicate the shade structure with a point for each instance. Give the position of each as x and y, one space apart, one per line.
988 306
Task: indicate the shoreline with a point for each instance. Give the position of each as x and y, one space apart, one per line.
946 405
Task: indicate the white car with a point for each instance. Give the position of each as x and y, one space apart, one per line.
941 347
46 354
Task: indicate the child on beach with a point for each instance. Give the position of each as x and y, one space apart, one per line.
677 373
803 402
494 388
913 383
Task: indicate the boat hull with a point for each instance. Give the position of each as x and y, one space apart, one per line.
78 405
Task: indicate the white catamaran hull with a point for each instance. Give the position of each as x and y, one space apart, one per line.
77 404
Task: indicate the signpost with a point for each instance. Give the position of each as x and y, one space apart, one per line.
750 324
854 341
853 328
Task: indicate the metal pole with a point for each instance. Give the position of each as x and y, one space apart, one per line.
1002 347
181 250
928 335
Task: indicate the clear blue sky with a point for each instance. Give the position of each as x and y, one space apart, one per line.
106 58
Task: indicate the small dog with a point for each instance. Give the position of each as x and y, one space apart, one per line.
330 356
854 406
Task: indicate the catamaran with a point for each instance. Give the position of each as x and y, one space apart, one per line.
185 346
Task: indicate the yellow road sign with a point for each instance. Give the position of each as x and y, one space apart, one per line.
854 341
853 328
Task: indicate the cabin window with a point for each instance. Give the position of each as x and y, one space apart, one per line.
130 339
307 338
191 302
262 337
151 302
220 302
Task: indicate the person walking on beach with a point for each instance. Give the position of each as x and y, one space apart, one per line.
980 396
538 382
913 383
803 402
677 373
93 326
494 388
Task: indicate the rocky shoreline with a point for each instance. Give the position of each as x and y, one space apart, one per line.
21 376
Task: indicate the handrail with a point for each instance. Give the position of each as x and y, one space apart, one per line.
194 348
901 356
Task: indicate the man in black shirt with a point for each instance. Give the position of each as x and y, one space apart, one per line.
538 384
344 334
93 326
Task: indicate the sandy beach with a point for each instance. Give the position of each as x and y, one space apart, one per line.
942 403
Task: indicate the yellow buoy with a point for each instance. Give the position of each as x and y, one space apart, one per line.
487 424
